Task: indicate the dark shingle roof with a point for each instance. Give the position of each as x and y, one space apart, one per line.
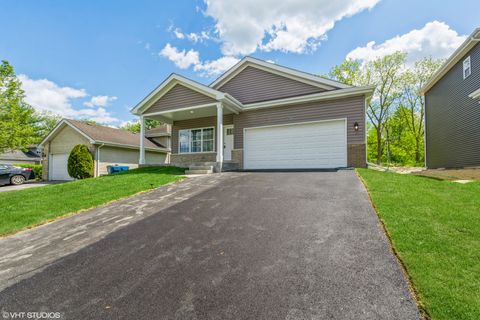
111 135
19 155
162 130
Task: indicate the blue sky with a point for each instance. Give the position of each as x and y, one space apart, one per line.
97 59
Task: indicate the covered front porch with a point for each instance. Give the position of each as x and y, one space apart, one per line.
202 124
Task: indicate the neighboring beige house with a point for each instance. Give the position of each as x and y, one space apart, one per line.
260 115
109 146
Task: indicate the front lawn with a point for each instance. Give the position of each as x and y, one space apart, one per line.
435 228
24 208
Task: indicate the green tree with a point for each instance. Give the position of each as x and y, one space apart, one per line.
413 103
347 72
384 74
80 162
17 119
45 122
134 127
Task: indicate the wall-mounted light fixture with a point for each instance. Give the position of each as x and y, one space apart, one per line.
355 126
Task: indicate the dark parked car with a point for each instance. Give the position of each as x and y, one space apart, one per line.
14 175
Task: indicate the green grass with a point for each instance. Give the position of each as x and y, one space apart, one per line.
435 228
24 208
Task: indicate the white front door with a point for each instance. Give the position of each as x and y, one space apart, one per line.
227 142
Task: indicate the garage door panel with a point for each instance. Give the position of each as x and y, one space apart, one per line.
302 146
58 167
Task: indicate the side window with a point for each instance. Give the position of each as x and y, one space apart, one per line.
467 68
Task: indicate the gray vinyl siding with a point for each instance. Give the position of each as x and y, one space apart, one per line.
453 118
179 97
255 85
197 123
353 109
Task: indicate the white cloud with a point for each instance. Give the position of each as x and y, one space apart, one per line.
289 26
436 39
46 95
182 59
185 59
192 36
99 101
216 67
99 115
198 37
178 33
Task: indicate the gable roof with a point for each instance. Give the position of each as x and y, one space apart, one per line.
97 134
175 79
301 76
468 44
19 155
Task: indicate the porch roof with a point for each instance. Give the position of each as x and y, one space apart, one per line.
190 109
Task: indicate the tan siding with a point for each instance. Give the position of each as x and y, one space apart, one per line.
254 85
126 157
66 139
179 97
197 123
351 108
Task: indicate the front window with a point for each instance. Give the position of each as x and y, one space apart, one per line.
196 140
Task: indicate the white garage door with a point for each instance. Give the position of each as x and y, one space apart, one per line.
58 167
296 146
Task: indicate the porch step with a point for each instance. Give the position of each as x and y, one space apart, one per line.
196 169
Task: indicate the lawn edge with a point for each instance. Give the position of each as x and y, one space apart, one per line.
411 287
44 222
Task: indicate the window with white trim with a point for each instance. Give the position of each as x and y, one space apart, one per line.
196 140
467 67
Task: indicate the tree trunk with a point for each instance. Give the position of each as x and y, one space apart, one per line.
417 150
379 145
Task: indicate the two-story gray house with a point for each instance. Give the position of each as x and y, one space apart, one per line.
452 109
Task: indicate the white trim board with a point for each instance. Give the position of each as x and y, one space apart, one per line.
328 95
475 94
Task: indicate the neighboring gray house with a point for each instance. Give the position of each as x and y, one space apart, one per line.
452 109
30 156
261 116
109 146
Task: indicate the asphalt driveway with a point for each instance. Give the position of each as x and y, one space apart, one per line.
304 245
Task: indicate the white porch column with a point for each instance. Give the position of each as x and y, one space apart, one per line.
142 142
219 132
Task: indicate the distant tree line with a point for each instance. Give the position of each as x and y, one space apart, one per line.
396 111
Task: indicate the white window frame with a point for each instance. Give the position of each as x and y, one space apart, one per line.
190 140
467 66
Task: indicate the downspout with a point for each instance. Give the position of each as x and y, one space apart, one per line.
97 169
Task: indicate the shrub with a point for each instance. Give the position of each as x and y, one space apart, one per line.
80 162
37 169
